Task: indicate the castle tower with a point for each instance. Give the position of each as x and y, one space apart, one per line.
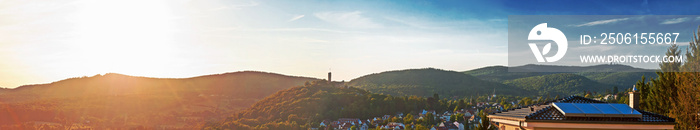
329 77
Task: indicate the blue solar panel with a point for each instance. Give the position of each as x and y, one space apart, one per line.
608 110
626 110
589 110
596 110
567 108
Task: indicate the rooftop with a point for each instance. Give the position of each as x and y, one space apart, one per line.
545 112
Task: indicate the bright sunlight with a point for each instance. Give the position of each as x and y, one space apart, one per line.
120 36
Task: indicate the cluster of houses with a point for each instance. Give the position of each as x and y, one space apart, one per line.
345 124
444 119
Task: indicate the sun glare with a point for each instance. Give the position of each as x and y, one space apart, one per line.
125 36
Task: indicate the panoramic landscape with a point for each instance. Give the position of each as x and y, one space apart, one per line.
263 100
349 65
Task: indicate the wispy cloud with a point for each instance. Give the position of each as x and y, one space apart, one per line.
304 30
674 21
295 18
348 19
411 22
600 22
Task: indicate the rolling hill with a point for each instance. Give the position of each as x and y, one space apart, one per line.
426 82
544 81
500 73
305 106
558 84
119 101
245 84
604 74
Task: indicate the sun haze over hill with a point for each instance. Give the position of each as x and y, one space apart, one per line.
122 101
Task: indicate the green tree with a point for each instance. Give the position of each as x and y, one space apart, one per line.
687 105
675 91
485 124
459 118
429 119
503 102
408 119
421 127
460 105
525 101
396 119
661 92
420 121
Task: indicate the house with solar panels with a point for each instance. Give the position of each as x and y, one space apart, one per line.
577 112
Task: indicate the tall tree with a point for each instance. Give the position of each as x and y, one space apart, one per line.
675 91
408 119
663 92
430 119
687 109
484 124
460 105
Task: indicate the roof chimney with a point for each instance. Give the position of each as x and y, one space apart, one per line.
634 98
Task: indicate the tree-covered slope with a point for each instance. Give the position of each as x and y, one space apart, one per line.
248 84
500 73
558 84
116 101
304 106
618 75
425 82
620 79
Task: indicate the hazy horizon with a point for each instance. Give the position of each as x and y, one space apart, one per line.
324 77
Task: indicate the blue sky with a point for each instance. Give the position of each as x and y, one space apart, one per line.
45 40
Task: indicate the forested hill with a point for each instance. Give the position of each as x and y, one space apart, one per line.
558 84
483 81
305 106
604 74
116 101
425 82
248 84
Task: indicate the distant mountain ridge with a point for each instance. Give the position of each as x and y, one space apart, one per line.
421 82
483 81
614 75
426 82
593 68
558 84
250 84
